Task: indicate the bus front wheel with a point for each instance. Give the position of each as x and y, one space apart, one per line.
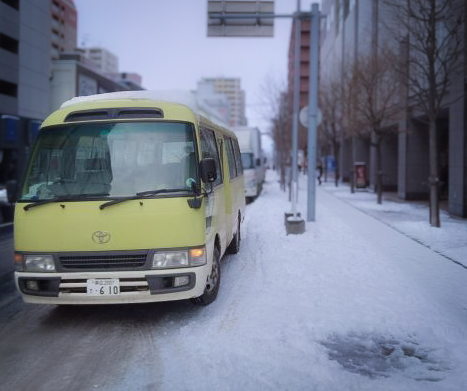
212 282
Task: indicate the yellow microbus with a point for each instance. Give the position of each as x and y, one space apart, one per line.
127 199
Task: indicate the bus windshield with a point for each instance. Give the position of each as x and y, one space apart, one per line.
109 160
247 160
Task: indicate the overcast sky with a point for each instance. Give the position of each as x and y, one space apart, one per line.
166 42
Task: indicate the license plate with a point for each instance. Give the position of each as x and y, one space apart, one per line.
103 286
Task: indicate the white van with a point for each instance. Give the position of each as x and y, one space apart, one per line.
249 139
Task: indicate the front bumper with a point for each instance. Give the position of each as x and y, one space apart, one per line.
135 286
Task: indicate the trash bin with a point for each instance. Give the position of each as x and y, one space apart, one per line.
360 175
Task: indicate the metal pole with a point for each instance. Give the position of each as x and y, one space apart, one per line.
296 103
312 110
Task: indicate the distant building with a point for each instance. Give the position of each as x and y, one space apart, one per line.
73 74
218 102
106 61
63 27
304 75
132 80
231 88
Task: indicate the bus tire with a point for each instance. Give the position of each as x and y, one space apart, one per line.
234 246
212 282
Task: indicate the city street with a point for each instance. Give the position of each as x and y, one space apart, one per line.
352 304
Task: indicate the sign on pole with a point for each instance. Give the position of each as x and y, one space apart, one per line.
303 116
240 18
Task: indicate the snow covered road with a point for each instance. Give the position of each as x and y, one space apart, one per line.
351 304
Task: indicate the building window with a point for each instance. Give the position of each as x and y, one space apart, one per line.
12 3
8 43
7 88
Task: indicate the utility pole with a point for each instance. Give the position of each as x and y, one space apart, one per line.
219 15
313 110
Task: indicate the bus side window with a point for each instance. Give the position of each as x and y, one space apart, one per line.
238 160
209 149
230 157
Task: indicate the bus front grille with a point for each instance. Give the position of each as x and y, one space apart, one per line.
103 262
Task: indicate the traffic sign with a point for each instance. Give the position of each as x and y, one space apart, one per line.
240 18
303 116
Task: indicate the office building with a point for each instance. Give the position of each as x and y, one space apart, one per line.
352 29
231 88
304 74
63 27
105 61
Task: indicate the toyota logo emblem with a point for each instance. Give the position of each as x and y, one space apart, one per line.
101 237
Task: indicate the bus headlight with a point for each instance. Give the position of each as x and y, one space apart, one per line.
174 259
39 263
169 259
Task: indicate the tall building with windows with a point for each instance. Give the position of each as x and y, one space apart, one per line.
231 88
24 57
304 75
64 27
25 43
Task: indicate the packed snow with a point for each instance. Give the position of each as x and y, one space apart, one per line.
351 304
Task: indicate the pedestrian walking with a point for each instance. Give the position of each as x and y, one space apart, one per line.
320 171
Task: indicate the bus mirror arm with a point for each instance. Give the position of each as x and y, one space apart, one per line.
197 200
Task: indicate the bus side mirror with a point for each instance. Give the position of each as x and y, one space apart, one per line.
207 168
258 162
11 189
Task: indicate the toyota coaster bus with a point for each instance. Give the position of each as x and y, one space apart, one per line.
127 199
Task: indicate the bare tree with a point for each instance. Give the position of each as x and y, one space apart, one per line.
332 107
275 109
375 103
431 32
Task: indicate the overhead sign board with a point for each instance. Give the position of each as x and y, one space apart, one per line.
240 18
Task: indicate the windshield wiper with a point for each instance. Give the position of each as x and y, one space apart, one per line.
61 199
140 195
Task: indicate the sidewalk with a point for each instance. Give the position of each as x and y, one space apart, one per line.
412 219
352 284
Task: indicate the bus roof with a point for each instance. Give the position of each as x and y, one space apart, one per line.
181 102
182 97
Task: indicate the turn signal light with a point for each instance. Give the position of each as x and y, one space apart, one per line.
196 252
18 262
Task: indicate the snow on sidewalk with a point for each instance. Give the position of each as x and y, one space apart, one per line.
412 219
351 304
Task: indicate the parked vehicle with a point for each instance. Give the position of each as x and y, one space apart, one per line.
127 199
249 140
